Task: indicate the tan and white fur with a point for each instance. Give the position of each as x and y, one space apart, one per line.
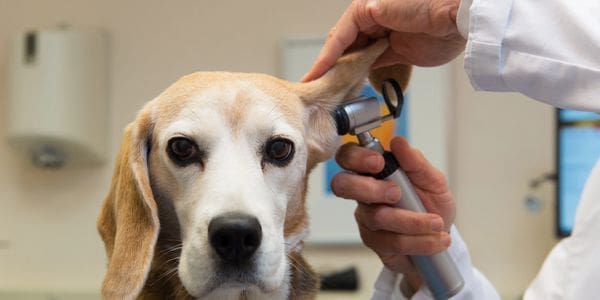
154 221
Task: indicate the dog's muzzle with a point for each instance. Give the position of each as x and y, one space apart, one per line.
235 237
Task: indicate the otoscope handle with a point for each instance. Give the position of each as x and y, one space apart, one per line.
440 273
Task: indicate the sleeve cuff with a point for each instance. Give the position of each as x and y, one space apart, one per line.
486 24
462 18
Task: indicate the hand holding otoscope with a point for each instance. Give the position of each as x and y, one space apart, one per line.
357 117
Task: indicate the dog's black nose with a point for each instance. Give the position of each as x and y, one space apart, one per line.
235 236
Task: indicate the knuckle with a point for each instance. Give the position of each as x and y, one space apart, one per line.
400 246
378 218
419 225
440 179
420 157
368 241
430 246
370 221
391 193
375 190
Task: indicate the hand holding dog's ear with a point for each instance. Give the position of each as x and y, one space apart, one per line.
391 232
420 32
342 82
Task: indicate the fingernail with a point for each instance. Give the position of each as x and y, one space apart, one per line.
446 240
372 163
307 77
392 195
372 4
437 225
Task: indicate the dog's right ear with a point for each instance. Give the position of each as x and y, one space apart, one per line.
128 222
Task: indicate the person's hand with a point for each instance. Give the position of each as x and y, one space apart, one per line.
391 232
421 32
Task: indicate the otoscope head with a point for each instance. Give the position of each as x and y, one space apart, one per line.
362 114
392 94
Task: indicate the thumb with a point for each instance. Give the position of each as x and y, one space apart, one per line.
356 19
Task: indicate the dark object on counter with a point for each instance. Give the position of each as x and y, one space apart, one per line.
345 280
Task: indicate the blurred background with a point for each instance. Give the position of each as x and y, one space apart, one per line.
494 144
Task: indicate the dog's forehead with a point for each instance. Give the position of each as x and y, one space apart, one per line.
233 96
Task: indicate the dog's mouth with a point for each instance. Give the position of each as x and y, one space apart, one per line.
238 283
233 278
236 276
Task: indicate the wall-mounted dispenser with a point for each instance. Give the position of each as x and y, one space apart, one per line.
57 96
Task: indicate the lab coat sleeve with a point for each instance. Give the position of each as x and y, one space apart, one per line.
546 50
476 286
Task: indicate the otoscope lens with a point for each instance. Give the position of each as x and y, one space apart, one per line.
392 94
341 120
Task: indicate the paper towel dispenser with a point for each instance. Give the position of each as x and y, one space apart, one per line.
57 96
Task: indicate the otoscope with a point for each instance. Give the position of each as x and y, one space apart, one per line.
357 117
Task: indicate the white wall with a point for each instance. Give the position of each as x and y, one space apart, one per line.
500 142
47 219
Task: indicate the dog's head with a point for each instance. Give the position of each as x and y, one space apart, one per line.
219 163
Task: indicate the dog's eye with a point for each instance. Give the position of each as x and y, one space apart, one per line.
183 151
279 151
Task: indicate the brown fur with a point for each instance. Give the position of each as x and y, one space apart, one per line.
135 223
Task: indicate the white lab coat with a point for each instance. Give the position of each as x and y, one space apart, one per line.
548 50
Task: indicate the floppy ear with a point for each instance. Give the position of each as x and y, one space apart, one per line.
342 82
128 222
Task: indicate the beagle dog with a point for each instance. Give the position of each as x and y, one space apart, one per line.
207 200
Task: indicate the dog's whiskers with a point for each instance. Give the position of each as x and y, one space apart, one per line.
167 260
299 266
171 249
166 275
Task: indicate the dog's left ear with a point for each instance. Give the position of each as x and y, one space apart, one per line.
128 222
342 82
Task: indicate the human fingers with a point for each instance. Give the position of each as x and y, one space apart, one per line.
419 49
352 157
386 243
402 264
393 219
339 38
434 17
357 18
365 189
418 169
